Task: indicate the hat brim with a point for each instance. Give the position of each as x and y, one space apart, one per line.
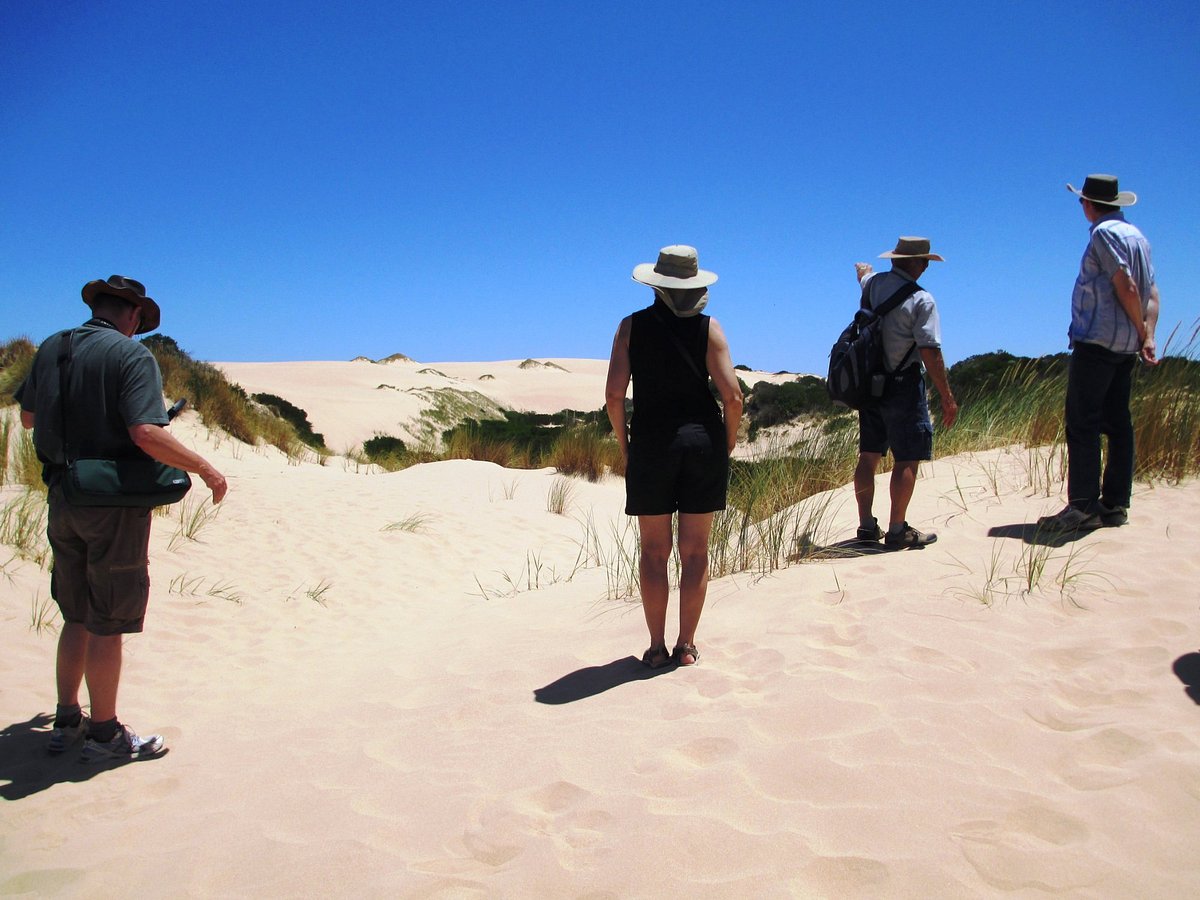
1123 198
645 274
892 254
151 314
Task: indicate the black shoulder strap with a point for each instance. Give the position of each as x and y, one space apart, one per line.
901 294
678 344
64 368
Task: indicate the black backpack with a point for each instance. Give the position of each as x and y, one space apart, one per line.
857 370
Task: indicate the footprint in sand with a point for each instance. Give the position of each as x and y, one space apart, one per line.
708 751
1034 848
841 876
931 657
1101 760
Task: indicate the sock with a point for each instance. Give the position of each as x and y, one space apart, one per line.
896 529
103 732
67 716
868 522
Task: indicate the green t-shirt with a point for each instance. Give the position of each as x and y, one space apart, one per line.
114 383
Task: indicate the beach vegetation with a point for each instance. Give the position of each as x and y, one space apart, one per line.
192 516
220 402
560 495
23 525
296 416
412 523
42 614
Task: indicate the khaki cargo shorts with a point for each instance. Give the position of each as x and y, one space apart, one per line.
101 574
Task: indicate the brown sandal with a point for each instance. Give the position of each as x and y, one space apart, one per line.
686 650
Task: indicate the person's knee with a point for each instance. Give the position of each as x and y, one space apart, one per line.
655 556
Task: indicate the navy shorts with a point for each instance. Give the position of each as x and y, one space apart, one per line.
687 472
101 574
900 421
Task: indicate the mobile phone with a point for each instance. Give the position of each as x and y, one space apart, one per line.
176 408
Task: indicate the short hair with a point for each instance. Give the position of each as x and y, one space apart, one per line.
1103 207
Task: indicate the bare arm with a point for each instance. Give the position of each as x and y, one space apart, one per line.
720 369
615 387
936 367
26 418
1131 303
157 442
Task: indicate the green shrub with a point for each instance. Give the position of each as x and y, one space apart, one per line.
296 416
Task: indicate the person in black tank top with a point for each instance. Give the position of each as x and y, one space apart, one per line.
676 448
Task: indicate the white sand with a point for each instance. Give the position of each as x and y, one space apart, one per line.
859 727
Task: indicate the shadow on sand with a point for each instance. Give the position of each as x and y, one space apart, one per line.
593 680
1031 534
1187 670
26 768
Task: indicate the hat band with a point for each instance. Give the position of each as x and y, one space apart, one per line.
677 267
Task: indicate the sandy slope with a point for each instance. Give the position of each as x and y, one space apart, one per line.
349 402
354 710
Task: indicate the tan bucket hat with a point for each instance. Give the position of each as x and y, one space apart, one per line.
1103 189
911 248
126 289
678 266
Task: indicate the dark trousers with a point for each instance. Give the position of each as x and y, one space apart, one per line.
1098 403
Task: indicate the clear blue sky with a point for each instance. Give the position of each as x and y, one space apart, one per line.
476 180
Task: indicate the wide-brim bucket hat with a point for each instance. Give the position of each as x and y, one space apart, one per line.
678 266
911 248
126 289
1104 189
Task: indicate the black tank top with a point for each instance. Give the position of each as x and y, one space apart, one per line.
666 392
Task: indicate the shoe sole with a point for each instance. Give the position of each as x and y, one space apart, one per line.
102 756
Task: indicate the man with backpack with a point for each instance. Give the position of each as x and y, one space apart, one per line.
897 418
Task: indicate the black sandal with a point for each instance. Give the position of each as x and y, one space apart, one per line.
657 657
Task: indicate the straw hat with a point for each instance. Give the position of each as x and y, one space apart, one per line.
678 266
126 289
911 248
1103 189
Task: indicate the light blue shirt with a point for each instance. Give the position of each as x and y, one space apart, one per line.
1097 316
913 321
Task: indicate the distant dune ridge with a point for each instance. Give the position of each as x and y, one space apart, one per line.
344 401
420 683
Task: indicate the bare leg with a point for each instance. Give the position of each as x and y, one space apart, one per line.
652 569
103 674
904 482
72 657
864 485
694 529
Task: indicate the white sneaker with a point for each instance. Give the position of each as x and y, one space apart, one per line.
124 745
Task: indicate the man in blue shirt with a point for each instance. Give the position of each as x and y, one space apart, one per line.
1114 310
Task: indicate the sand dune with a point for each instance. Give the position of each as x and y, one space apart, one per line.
411 684
349 402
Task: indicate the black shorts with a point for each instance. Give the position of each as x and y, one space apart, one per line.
101 574
900 421
687 472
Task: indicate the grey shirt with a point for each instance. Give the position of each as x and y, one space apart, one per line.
114 383
913 321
